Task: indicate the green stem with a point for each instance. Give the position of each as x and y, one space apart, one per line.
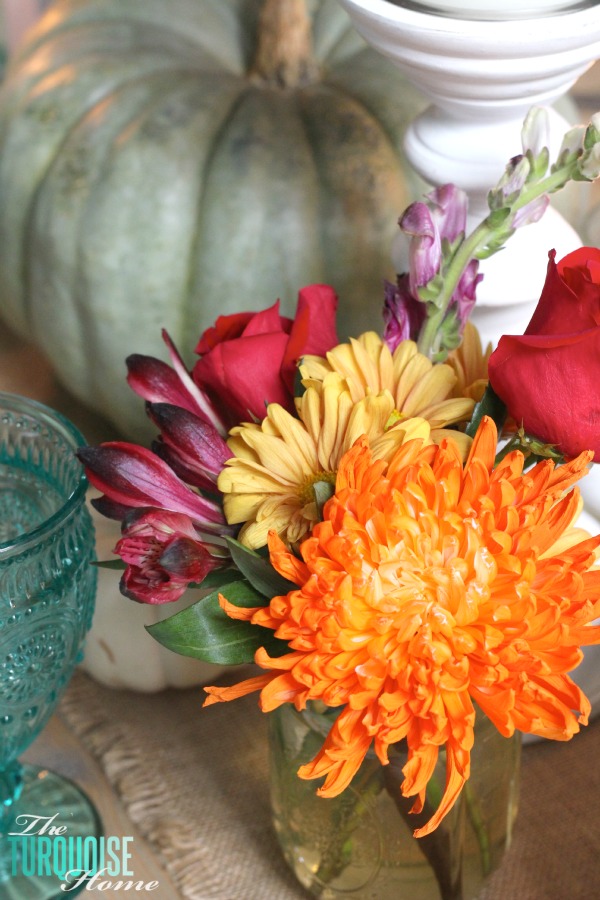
437 848
464 253
481 832
513 444
336 859
478 239
548 185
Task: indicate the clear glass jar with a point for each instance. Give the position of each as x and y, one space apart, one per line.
360 844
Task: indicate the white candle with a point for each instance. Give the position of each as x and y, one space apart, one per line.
500 10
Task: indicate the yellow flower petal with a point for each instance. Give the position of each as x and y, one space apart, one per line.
360 388
432 388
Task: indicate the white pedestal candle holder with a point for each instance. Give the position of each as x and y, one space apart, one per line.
482 75
484 66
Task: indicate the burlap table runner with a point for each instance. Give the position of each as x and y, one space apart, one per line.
195 782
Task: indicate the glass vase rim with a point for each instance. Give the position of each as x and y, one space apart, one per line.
17 403
316 717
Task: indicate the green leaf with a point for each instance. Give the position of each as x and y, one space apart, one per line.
217 578
540 165
495 243
323 491
110 564
592 136
259 571
489 405
204 631
299 389
430 292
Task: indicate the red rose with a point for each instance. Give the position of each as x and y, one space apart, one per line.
249 359
549 377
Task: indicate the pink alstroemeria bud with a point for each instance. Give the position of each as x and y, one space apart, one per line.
135 477
164 554
192 448
157 382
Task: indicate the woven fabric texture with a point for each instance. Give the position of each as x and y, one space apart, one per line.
195 782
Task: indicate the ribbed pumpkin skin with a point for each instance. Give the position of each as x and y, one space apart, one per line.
147 182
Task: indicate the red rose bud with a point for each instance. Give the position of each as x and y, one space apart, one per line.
549 377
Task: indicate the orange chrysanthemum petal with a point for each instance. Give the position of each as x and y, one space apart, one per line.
223 694
284 562
431 586
340 757
243 613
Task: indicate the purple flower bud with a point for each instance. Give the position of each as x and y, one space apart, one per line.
403 315
157 382
425 250
532 212
463 298
135 477
449 205
194 449
513 179
535 134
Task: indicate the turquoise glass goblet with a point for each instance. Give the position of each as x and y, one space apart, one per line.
47 594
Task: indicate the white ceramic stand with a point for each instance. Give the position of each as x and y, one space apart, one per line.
482 78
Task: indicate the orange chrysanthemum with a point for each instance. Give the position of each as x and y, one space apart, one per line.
429 586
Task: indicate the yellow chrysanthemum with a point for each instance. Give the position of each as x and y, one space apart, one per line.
427 588
361 388
470 364
418 387
268 484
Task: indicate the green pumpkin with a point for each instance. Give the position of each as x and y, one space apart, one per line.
162 163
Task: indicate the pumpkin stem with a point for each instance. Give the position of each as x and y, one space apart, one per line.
284 56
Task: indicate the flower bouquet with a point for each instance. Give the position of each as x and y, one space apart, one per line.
386 528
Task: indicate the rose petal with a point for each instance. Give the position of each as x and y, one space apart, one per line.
550 384
565 308
245 371
313 329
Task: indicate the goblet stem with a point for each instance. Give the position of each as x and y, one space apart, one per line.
47 591
11 785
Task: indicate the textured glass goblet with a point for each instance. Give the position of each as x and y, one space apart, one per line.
47 594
